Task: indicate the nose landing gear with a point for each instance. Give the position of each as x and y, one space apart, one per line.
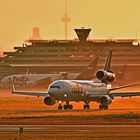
60 106
86 106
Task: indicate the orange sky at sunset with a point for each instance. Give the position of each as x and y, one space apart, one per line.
107 18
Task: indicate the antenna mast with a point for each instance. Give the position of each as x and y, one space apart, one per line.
66 19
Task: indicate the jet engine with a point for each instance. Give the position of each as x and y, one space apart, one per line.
49 100
105 76
105 100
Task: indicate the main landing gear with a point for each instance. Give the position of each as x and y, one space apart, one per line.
60 106
66 106
86 106
101 107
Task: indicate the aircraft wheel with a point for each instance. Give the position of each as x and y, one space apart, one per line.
86 107
101 107
66 107
59 107
105 107
70 107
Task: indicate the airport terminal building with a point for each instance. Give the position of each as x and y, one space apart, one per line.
52 56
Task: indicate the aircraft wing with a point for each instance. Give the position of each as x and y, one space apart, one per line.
125 86
31 93
115 94
124 94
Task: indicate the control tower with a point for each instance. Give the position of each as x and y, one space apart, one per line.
82 33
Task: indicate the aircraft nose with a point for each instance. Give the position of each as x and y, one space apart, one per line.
53 90
50 91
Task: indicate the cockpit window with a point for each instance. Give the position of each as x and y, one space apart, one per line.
55 87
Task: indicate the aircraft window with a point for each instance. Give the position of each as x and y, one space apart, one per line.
55 87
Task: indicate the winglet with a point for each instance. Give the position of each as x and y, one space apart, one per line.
13 89
108 61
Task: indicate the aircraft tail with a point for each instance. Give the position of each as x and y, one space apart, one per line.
89 71
108 61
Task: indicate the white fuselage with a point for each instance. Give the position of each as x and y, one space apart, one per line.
32 79
76 90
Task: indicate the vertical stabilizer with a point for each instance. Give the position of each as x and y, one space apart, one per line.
108 61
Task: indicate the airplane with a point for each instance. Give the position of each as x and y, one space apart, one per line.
34 79
83 90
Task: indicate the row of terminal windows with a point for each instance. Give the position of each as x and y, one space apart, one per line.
72 49
69 55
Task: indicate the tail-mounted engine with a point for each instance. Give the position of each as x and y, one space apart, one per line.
49 101
105 100
105 76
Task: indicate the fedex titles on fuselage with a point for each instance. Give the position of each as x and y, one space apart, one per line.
16 78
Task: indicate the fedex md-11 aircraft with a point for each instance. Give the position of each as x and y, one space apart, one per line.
83 90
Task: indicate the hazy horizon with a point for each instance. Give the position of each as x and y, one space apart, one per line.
108 19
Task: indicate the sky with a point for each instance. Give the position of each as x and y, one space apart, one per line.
109 19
